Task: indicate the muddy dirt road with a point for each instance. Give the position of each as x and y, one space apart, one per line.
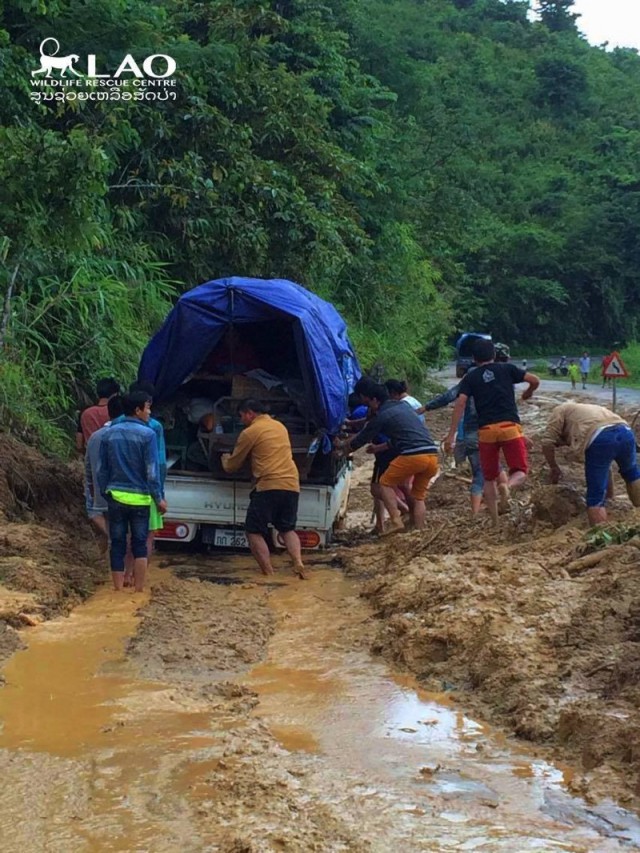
316 747
372 708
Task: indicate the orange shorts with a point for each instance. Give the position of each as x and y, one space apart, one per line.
502 431
422 467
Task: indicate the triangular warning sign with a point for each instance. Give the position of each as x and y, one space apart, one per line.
615 368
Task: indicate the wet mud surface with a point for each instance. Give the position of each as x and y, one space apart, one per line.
453 689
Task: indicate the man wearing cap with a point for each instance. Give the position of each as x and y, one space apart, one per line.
599 437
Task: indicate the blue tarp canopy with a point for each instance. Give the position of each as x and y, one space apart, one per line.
201 316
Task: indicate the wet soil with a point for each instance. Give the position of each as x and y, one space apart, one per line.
49 558
515 625
356 711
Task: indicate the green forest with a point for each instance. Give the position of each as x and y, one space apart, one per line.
428 166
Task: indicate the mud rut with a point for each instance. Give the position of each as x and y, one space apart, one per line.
225 713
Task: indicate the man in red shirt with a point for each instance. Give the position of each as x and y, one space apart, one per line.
95 417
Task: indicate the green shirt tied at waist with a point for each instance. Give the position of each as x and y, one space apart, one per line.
130 498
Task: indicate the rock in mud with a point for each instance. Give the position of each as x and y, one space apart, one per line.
557 505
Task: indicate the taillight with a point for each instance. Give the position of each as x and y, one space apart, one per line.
308 538
174 530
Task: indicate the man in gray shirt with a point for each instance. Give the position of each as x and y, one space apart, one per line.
417 453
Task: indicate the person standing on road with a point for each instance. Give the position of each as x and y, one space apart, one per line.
574 373
585 367
598 437
274 500
606 361
491 385
155 518
129 481
95 504
416 454
95 417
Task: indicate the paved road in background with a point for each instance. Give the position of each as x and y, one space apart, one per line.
627 397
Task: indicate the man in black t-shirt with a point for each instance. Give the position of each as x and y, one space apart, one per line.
492 387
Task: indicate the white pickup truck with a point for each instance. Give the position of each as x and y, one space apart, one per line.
199 503
234 339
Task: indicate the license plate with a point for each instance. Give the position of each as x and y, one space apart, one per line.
230 539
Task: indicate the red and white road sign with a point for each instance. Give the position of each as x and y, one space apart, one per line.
615 368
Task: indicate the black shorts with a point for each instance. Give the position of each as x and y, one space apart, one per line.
277 507
382 462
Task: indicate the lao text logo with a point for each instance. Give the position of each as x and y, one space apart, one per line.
59 78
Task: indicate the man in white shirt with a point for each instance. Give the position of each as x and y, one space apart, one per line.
585 367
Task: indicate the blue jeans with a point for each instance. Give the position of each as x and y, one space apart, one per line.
614 444
477 484
121 518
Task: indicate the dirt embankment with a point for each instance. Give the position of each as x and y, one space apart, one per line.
49 560
524 629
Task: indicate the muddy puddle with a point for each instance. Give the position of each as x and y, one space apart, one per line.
441 777
87 744
362 760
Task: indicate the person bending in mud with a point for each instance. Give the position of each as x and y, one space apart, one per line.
416 453
129 480
599 437
491 385
274 500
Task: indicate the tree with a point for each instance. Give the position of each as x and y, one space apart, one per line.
557 15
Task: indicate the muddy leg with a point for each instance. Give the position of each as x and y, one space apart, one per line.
292 544
504 492
388 496
516 479
611 492
139 572
596 515
418 512
101 524
378 507
260 551
128 565
118 580
491 499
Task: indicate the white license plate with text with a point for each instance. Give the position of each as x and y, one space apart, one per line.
230 539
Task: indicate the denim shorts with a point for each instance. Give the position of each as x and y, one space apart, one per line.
614 444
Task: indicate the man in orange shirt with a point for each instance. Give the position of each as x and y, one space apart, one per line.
274 501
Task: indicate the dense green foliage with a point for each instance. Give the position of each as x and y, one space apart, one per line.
425 165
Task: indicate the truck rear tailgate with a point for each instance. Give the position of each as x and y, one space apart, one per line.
209 501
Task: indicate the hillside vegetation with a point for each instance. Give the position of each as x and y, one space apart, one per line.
425 165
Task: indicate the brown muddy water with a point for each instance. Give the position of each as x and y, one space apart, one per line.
95 758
